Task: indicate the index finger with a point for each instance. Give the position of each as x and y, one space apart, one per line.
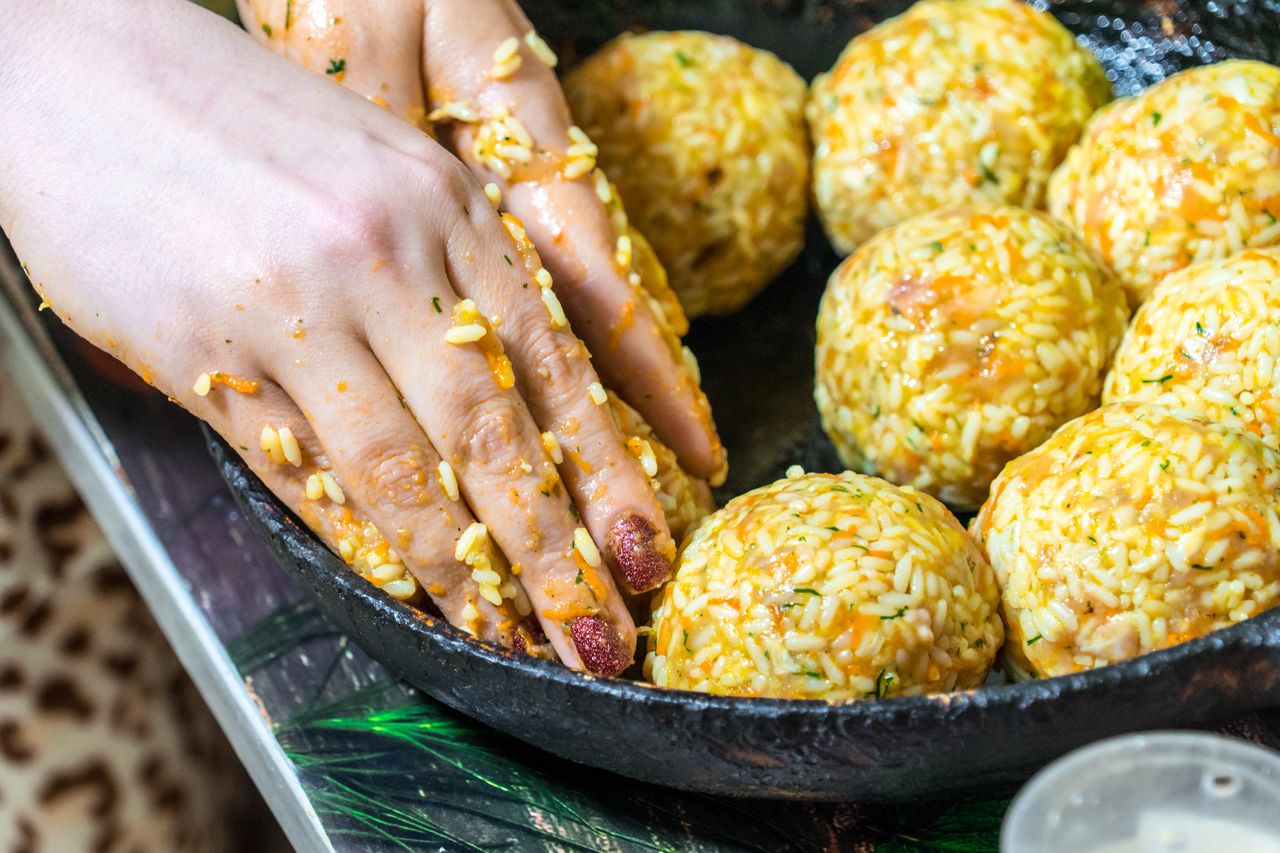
487 69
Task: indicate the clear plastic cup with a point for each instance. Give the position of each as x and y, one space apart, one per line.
1161 792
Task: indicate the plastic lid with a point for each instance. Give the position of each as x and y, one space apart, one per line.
1162 792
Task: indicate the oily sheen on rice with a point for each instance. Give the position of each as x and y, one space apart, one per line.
958 340
827 586
1132 529
1208 340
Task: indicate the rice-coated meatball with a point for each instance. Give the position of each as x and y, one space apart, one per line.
1132 529
704 137
954 102
1208 340
1187 171
961 339
825 586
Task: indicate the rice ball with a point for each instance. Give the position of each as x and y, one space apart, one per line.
704 137
1134 528
961 339
1208 340
825 586
954 102
1187 171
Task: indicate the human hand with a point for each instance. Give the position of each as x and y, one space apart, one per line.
332 292
490 91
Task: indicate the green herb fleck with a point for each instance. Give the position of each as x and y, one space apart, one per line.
936 245
987 175
1164 466
1160 381
683 60
336 66
977 644
1270 216
812 674
686 642
435 303
266 29
898 614
884 683
1155 118
1199 328
508 260
1200 567
578 579
839 489
1033 640
804 590
1146 442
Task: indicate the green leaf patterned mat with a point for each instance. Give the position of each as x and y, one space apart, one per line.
387 768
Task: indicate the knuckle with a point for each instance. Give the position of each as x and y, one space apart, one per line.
393 476
490 433
448 182
560 367
353 227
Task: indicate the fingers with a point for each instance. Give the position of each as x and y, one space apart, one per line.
566 399
445 360
373 47
269 431
515 130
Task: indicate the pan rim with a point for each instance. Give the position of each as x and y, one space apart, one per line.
1260 633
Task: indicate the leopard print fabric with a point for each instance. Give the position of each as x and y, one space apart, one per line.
104 743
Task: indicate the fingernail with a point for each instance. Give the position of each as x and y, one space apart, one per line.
631 543
598 644
527 636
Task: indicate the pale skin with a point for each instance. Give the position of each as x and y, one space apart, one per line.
193 204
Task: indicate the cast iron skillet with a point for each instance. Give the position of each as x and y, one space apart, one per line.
892 749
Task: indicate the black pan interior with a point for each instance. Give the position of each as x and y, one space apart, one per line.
757 368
